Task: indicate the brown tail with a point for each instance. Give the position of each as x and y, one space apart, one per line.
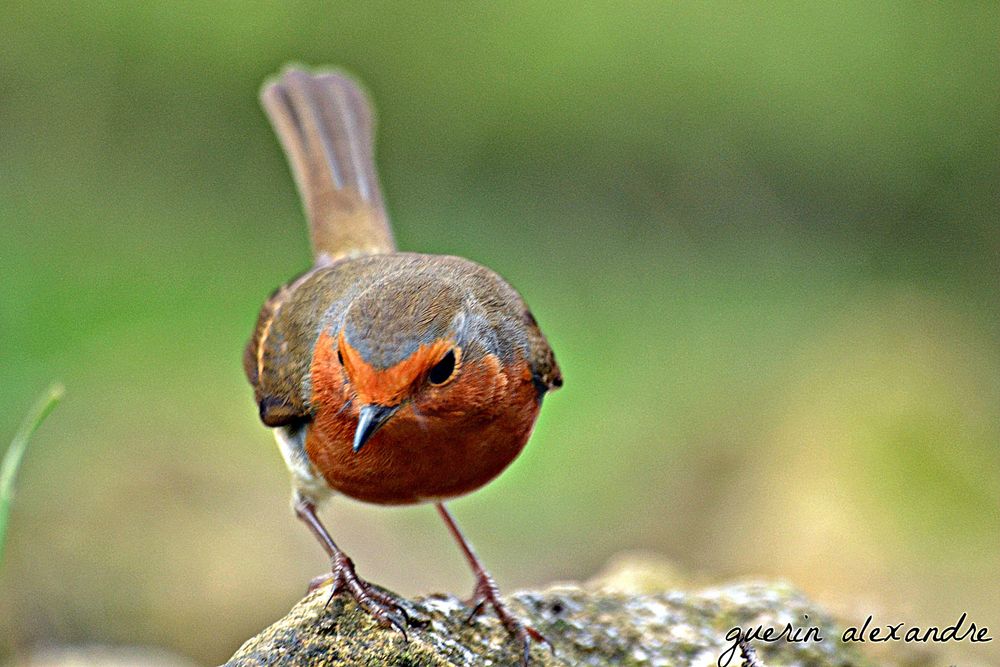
325 125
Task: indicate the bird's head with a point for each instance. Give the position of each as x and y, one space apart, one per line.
422 350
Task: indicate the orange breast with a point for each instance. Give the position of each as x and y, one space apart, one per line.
439 444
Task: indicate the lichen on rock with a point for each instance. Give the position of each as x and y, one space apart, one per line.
615 620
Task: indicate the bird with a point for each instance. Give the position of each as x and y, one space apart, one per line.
389 377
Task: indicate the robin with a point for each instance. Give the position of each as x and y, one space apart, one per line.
390 377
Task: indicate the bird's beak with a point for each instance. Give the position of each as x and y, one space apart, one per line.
370 419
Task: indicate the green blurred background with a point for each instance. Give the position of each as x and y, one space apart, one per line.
763 242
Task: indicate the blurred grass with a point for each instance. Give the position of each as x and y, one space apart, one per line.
12 457
763 241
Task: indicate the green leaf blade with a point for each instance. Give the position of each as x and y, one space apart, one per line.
14 455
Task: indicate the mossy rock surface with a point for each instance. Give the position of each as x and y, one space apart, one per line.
621 619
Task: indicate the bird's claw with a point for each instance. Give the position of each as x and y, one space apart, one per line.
487 592
381 606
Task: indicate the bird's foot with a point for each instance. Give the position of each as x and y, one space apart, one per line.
487 593
384 608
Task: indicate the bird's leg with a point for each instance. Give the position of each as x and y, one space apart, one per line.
383 607
487 592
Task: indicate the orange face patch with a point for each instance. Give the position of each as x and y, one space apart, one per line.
443 441
392 385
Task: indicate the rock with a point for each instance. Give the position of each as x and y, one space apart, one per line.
628 616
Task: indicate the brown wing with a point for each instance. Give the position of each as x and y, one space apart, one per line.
275 374
325 125
546 371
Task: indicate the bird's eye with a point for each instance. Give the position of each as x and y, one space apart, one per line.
443 369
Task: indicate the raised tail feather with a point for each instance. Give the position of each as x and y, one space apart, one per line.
325 125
